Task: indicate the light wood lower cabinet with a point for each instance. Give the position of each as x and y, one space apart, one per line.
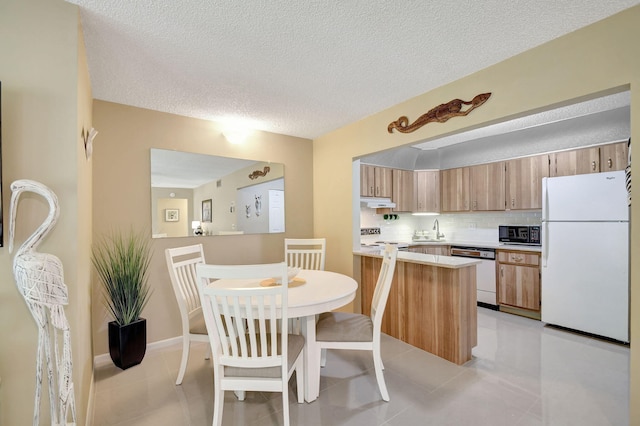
518 275
431 249
430 307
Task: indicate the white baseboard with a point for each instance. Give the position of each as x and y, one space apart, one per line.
104 359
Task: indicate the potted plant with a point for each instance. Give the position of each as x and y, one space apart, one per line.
122 262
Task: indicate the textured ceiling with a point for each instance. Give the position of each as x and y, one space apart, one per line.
307 68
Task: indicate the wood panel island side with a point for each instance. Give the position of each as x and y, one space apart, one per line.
432 303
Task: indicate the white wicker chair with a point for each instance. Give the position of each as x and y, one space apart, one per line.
181 263
249 355
341 330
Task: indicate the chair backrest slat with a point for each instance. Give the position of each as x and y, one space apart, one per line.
181 263
305 253
243 322
383 285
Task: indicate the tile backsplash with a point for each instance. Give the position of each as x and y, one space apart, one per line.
473 226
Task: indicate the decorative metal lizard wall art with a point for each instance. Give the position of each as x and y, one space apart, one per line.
439 114
257 173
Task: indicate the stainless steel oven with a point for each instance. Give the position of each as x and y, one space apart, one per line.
485 272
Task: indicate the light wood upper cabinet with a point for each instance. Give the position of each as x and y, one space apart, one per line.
403 190
375 181
613 157
575 162
519 279
367 181
427 191
604 158
524 182
455 190
488 186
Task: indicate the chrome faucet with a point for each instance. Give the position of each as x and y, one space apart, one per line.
436 227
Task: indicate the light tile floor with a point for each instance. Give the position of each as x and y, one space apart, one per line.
522 373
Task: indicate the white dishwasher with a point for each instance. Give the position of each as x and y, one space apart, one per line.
485 272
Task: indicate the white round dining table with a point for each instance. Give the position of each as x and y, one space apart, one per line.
322 291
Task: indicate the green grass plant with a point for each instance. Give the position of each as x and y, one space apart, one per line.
122 262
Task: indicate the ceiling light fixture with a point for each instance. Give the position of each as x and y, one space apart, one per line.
236 135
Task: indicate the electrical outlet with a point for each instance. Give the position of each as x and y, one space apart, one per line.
472 225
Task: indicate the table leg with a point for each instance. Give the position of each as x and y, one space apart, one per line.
311 359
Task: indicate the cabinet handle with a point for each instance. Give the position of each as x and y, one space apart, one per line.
593 166
513 202
609 162
502 272
372 191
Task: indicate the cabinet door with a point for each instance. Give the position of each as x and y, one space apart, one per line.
403 190
613 157
383 178
575 162
427 191
367 180
519 286
524 182
487 186
430 249
375 181
454 184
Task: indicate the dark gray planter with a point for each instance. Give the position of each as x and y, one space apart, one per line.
128 343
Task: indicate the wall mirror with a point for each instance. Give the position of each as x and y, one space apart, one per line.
199 194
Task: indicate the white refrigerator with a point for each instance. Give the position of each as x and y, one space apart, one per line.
585 254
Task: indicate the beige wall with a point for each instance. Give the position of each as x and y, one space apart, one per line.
45 105
123 197
46 100
595 60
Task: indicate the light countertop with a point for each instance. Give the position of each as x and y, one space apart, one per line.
426 259
483 244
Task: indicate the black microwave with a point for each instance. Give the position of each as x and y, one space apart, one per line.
519 234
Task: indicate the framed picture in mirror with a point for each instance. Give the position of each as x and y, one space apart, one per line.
172 215
206 210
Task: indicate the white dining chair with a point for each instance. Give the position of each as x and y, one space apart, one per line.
342 330
181 263
249 353
305 253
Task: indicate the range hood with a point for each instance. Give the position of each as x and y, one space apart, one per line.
377 203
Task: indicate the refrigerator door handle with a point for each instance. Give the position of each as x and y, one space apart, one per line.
545 243
545 200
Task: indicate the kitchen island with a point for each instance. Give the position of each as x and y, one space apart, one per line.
432 303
